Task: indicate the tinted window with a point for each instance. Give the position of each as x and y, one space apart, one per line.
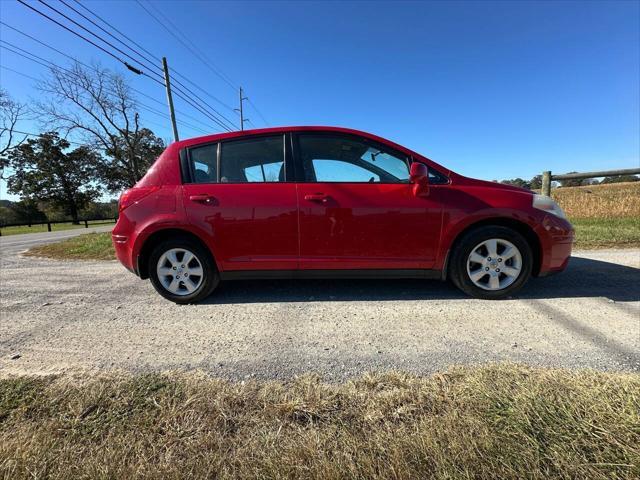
437 178
253 160
204 163
329 158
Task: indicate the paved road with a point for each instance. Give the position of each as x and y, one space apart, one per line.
91 316
10 244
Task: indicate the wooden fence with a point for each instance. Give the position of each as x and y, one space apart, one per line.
48 224
548 177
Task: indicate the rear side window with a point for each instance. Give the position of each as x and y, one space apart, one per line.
204 163
253 160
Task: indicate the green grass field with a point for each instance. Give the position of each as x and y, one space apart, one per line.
500 421
54 227
621 232
91 246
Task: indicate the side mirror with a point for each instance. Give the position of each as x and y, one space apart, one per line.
419 176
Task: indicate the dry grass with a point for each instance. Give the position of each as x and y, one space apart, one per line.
499 421
614 200
89 246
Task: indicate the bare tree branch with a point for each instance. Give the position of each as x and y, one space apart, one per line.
99 104
11 113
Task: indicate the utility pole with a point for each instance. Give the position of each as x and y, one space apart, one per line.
172 112
241 111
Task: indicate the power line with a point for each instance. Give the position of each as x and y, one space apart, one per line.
186 79
210 116
257 111
50 64
23 54
172 31
118 31
75 33
41 42
130 67
87 66
197 107
215 68
103 30
135 70
129 56
156 58
164 115
20 73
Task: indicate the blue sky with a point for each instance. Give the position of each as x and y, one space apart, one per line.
492 90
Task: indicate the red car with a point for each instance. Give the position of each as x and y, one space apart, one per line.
318 202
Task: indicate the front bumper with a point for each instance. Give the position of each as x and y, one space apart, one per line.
556 241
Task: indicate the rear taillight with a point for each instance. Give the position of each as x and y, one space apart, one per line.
133 195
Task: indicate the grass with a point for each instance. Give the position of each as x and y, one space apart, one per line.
621 232
614 200
54 227
603 215
90 246
499 421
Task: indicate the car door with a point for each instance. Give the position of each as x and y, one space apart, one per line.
358 209
242 197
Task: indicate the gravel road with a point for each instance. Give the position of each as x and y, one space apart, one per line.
92 316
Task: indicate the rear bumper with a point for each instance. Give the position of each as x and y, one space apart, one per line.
123 252
123 242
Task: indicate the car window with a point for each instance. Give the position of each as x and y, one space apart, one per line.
253 160
204 163
437 178
339 171
328 158
393 165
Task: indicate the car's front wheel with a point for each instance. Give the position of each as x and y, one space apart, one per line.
491 262
182 271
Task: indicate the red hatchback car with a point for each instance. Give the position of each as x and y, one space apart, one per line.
318 202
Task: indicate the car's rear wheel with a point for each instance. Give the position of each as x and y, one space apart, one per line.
491 262
182 271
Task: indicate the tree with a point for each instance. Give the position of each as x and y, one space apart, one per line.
98 104
101 210
536 182
572 182
11 113
518 182
43 171
115 175
23 211
621 178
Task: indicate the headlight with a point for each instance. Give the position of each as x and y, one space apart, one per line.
542 202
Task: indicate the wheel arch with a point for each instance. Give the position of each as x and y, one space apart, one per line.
142 262
521 227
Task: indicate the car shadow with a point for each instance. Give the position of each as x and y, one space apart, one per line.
583 278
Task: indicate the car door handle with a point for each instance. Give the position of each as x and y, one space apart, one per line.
317 197
202 198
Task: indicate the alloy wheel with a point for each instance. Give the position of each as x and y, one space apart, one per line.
180 271
494 264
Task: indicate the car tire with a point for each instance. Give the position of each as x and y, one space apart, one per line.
183 271
481 274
